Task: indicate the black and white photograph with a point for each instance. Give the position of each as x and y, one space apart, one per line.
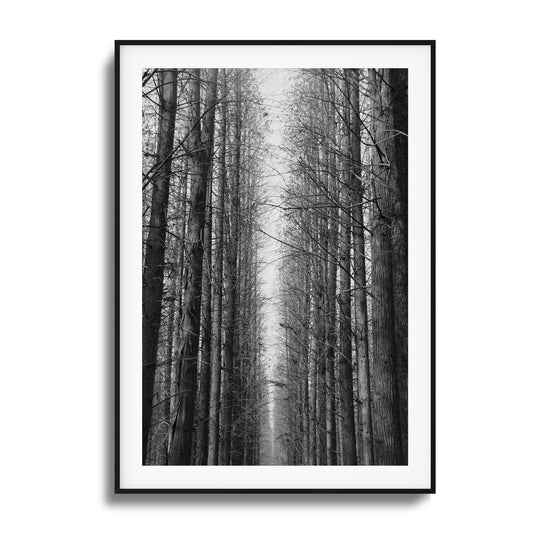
275 266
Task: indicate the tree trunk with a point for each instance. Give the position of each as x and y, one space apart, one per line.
175 371
155 246
313 357
205 366
231 289
305 372
166 410
345 359
331 295
364 411
386 415
321 371
398 82
320 332
201 144
214 402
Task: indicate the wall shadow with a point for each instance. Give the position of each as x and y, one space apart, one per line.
108 242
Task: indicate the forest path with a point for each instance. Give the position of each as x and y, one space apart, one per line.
274 85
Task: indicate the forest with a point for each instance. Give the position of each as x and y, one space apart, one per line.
274 275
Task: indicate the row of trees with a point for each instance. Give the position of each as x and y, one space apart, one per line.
343 377
202 374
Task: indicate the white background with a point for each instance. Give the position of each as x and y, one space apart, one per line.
56 169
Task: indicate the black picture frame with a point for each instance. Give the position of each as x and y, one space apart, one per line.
117 478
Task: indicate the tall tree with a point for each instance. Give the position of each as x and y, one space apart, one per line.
206 325
357 200
345 327
201 147
231 284
155 244
216 356
398 128
386 413
331 265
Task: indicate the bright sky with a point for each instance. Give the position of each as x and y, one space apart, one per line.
274 85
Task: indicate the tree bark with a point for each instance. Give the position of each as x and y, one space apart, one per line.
313 357
155 246
201 146
349 456
386 414
398 82
305 370
205 367
364 411
320 321
331 294
231 288
214 402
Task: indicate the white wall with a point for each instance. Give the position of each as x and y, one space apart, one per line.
56 168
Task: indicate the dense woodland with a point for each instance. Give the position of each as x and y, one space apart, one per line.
333 390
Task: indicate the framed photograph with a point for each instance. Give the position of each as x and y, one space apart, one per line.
275 237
